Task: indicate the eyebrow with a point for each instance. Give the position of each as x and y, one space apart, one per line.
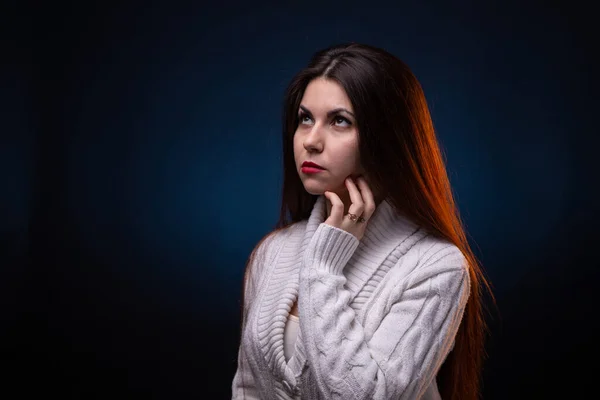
330 113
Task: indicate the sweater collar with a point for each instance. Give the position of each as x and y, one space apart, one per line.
384 223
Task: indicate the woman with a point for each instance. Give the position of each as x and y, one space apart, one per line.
367 288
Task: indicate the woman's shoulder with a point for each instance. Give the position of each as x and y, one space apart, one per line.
432 260
432 246
262 255
433 255
270 242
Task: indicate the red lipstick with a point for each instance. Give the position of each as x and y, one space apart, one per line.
309 167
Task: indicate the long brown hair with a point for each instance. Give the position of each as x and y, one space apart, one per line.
400 154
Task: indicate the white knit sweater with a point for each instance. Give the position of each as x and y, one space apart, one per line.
377 316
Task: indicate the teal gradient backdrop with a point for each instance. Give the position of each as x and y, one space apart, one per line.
148 165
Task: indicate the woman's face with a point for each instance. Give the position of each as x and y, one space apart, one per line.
326 135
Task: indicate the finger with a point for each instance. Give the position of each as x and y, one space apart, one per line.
337 207
357 207
368 198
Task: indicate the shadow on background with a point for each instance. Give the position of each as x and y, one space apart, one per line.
141 162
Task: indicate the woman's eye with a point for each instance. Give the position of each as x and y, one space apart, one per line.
303 117
342 120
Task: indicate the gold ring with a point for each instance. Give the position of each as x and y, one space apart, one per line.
355 219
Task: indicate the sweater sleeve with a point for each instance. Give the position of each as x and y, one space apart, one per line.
243 385
404 353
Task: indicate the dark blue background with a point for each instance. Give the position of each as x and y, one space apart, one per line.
141 163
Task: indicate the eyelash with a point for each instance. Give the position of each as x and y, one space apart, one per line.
302 115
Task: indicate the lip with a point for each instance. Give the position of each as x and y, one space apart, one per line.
311 170
311 164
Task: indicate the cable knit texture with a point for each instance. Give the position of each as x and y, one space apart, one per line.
377 316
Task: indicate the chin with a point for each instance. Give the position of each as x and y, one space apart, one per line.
319 189
314 191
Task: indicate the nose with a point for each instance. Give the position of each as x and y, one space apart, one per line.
314 140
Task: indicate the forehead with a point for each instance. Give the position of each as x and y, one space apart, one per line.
324 94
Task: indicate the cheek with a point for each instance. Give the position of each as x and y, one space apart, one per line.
296 147
351 155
